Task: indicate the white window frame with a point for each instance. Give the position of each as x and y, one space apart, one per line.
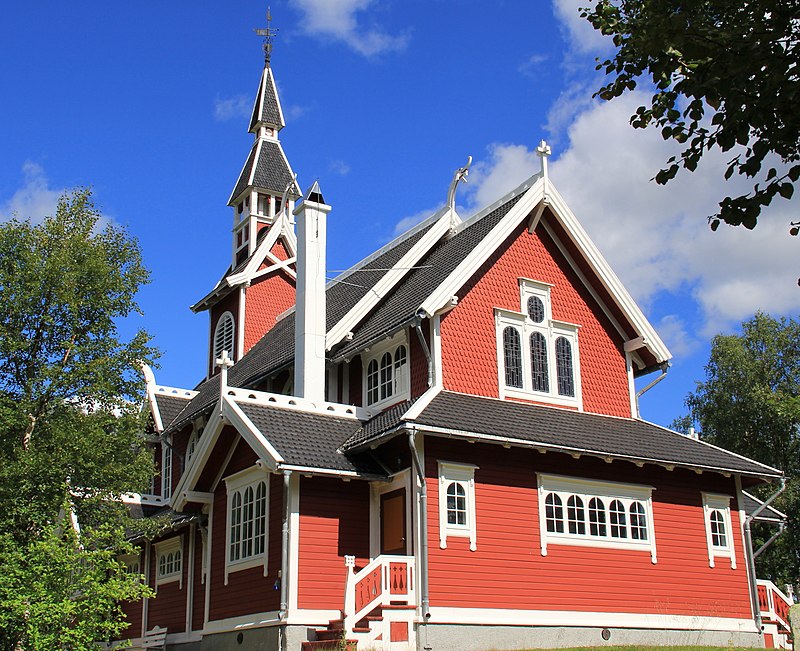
722 503
551 330
167 458
132 563
162 550
401 382
607 491
221 321
462 474
239 483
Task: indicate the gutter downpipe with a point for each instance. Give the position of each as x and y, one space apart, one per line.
284 607
425 349
751 556
642 391
423 528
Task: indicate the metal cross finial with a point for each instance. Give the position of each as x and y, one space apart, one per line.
269 36
224 362
543 151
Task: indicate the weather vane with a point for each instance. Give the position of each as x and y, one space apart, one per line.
269 36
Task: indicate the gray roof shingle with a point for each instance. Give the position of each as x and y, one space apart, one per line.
310 440
271 170
594 434
169 407
269 113
379 425
403 303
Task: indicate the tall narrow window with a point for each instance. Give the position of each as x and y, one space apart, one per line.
718 536
597 517
400 367
236 527
539 379
512 352
166 470
616 516
387 385
554 513
575 516
638 521
260 533
372 382
248 519
566 383
223 336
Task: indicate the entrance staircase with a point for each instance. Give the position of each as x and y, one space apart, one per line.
379 608
774 606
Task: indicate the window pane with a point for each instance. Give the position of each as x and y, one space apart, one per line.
566 383
554 513
456 504
575 515
386 376
539 379
400 360
372 382
247 523
236 526
536 309
597 517
512 357
638 521
718 535
616 516
261 518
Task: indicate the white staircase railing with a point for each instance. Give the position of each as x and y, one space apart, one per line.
385 580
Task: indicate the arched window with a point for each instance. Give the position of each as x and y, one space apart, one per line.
456 504
554 513
638 521
566 381
261 518
372 382
236 527
387 384
616 516
166 470
597 517
575 515
223 336
512 356
719 537
539 380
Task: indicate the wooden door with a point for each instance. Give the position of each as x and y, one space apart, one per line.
393 522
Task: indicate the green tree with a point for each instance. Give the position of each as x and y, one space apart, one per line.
749 402
725 74
70 425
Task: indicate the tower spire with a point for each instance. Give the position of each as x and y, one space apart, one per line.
269 36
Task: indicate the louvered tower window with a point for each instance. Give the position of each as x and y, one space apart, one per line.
223 336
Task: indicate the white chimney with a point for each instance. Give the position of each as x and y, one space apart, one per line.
309 320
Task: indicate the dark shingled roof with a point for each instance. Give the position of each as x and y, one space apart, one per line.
769 514
379 425
594 434
272 170
312 440
276 348
404 302
269 109
169 407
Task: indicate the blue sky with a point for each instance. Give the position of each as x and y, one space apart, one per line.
148 103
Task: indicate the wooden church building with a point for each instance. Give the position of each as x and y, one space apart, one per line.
438 449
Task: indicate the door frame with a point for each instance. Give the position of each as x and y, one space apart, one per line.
400 481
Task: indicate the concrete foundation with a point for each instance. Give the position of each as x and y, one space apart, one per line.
445 637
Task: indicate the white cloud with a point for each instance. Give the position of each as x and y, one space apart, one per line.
507 166
339 167
531 65
35 200
581 37
412 220
339 20
229 108
677 336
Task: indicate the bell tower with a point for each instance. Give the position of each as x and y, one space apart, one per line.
259 285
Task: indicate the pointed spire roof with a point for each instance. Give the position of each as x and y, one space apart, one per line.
267 107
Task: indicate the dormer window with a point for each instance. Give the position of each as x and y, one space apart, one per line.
537 356
223 336
386 372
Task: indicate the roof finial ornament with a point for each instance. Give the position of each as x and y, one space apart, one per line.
269 36
460 175
543 151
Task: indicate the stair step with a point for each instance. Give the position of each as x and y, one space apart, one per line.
399 607
328 634
327 645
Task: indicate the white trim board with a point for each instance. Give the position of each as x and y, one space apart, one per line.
575 618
